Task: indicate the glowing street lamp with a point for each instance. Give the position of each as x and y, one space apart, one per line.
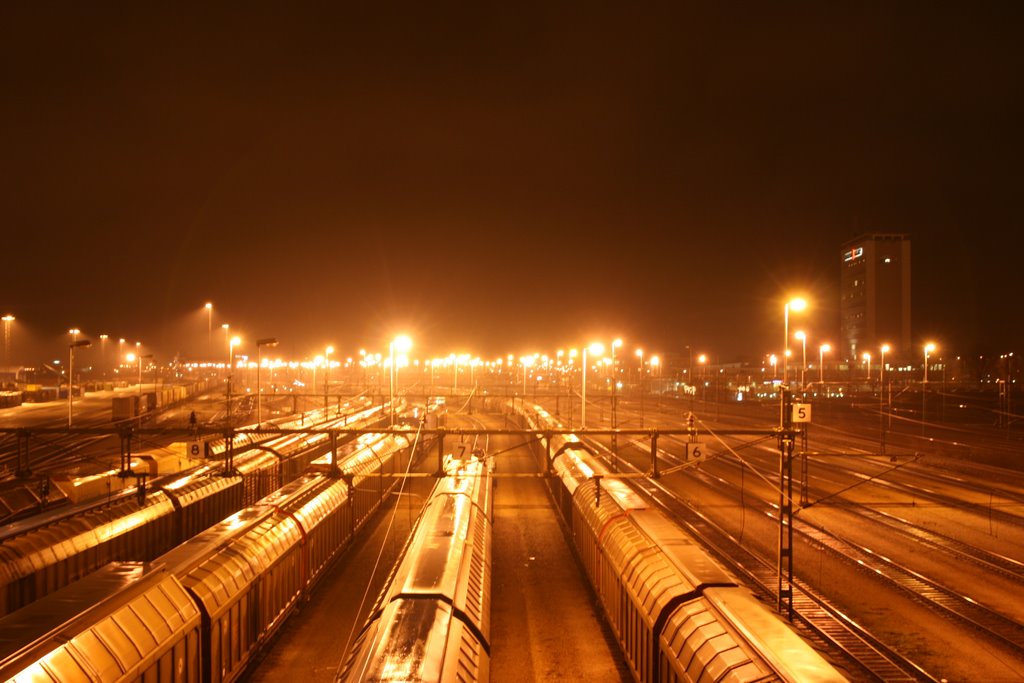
327 373
881 370
526 362
928 348
774 362
71 372
822 350
595 348
260 343
8 319
209 327
797 304
403 344
640 355
103 352
867 361
232 343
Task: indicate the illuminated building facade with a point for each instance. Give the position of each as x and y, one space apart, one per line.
874 294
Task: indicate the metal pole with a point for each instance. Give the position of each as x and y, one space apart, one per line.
785 348
583 407
71 383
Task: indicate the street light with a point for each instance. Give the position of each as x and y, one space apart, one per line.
8 319
327 375
797 304
640 354
232 343
103 353
702 360
71 372
867 361
802 336
260 343
822 350
597 348
882 412
403 344
928 348
227 339
209 328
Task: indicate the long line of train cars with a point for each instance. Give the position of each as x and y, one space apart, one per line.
21 497
201 611
677 614
58 548
432 621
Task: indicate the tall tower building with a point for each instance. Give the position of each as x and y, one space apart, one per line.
874 294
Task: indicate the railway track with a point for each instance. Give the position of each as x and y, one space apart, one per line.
919 588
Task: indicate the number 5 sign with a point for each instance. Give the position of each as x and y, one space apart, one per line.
801 412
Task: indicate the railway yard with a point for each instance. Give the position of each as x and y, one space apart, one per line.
905 548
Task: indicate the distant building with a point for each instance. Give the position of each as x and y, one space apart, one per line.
874 295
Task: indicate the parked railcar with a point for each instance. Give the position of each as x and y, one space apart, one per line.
432 621
243 576
120 623
677 614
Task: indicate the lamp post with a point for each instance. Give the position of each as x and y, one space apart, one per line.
71 372
227 339
232 343
138 354
260 343
103 352
867 363
882 412
74 332
802 336
209 328
702 360
8 319
327 374
881 370
928 348
403 344
597 348
822 350
640 354
797 304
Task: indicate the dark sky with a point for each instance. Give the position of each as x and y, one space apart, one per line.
503 179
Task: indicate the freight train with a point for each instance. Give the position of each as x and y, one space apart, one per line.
677 614
202 611
40 555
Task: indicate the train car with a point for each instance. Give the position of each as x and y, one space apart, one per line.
677 613
38 563
432 621
246 574
122 623
244 577
20 498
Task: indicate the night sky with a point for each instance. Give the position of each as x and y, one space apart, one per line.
506 179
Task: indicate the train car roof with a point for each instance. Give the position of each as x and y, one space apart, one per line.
108 623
